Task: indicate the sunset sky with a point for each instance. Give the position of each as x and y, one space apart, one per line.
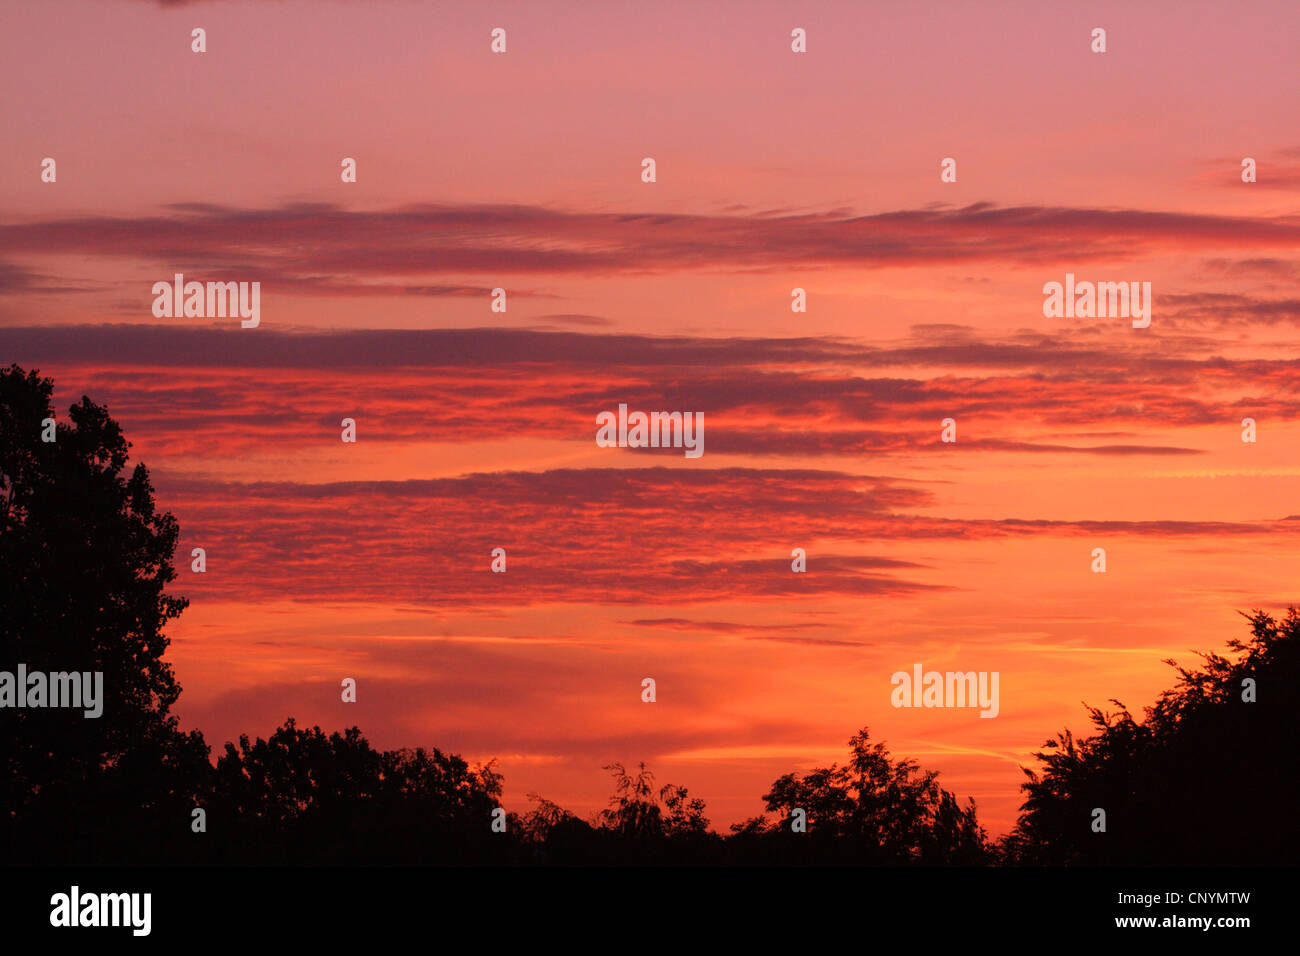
476 429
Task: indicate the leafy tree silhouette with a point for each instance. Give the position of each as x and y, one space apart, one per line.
640 825
873 810
542 823
1207 778
84 560
551 834
302 796
637 811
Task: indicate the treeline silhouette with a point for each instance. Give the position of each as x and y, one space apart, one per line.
1209 775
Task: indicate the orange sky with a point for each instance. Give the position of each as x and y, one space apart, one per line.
475 429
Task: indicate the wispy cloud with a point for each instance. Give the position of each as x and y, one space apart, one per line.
297 245
762 397
572 536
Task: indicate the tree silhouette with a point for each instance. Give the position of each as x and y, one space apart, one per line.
872 810
84 560
551 834
541 823
642 824
637 811
1208 778
303 796
633 810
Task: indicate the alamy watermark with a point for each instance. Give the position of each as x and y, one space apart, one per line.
1100 300
946 689
77 689
103 909
213 300
653 430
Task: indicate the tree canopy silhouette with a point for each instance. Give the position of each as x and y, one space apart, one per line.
84 559
1209 777
642 824
872 810
637 810
302 795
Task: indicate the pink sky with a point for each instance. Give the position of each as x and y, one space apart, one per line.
775 170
